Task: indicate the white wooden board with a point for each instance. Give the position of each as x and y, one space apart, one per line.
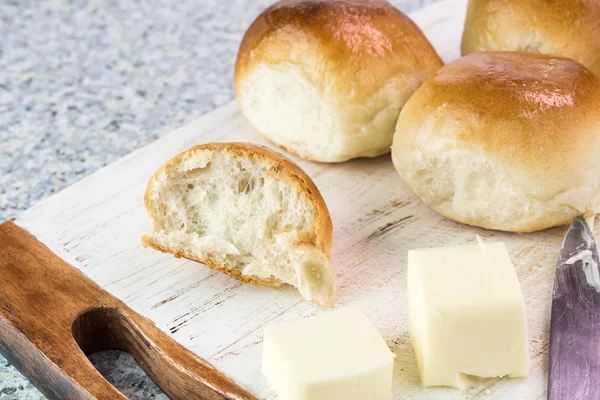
96 226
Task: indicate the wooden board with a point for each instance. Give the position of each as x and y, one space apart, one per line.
96 226
51 316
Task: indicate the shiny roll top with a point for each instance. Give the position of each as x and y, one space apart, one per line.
567 28
357 43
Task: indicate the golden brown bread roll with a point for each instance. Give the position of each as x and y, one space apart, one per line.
504 140
566 28
326 79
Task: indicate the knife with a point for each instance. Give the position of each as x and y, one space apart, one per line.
574 367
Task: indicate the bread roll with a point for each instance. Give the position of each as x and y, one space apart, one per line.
504 140
325 79
246 211
565 28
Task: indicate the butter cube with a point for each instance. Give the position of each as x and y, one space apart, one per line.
336 355
466 314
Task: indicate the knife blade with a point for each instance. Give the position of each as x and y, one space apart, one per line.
574 366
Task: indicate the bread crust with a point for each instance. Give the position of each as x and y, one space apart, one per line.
210 263
531 118
524 113
567 28
346 37
287 170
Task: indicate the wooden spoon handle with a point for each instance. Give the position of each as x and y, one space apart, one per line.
51 316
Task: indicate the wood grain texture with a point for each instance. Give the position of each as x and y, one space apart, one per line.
96 226
51 316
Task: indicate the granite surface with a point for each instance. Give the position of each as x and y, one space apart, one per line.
84 82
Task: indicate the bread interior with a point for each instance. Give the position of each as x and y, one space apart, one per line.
239 212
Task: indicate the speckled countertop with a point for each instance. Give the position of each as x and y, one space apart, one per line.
84 82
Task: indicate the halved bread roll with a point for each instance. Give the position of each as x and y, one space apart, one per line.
246 211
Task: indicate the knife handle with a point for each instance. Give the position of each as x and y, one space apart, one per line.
51 316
